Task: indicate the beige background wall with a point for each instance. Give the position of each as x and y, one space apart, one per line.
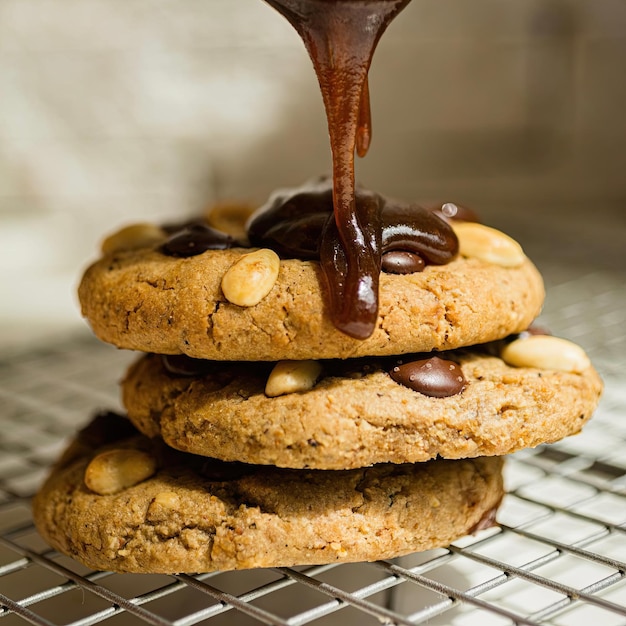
122 110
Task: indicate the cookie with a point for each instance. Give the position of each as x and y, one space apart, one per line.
144 300
284 285
348 414
134 505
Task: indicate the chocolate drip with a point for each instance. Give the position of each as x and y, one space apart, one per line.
292 221
300 224
364 122
353 287
341 38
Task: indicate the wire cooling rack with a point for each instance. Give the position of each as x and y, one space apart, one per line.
558 556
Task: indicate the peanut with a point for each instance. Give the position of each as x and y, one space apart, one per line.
133 237
114 470
167 499
488 244
546 352
251 278
165 503
292 376
230 218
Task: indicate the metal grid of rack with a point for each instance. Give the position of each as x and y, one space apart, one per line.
557 557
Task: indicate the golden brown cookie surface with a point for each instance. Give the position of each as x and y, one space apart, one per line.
196 515
144 300
360 417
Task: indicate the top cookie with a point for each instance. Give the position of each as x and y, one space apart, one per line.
286 287
144 300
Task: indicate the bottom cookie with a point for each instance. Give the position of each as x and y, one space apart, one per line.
119 501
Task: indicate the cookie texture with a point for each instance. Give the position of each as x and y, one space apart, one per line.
144 300
199 515
361 417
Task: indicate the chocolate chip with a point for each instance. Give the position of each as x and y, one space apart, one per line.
433 377
222 471
195 239
183 365
106 427
488 520
402 262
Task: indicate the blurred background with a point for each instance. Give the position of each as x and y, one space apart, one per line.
114 111
117 111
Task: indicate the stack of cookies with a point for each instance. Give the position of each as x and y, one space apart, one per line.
261 435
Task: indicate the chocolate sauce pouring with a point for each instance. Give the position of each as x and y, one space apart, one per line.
341 36
299 223
353 232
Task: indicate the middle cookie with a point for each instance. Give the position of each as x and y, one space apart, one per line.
355 413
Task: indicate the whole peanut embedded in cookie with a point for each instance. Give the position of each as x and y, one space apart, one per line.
292 376
251 278
134 237
115 470
488 244
545 352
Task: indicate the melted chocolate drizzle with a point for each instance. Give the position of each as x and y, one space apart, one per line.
340 38
351 236
300 224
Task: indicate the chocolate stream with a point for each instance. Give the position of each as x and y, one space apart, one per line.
340 38
300 224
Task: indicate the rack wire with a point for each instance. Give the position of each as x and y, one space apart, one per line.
557 557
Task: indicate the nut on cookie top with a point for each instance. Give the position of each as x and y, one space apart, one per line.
278 288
